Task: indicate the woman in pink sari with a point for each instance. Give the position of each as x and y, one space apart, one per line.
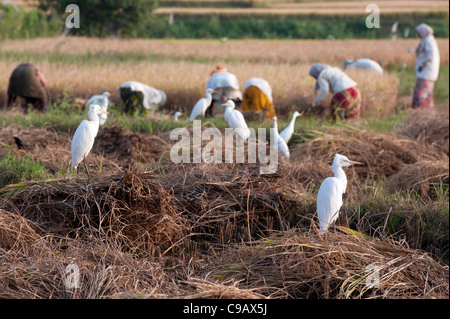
427 67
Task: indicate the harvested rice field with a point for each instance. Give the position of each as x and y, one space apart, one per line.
142 226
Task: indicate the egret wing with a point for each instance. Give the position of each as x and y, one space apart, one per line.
199 108
82 142
283 148
329 201
286 134
236 120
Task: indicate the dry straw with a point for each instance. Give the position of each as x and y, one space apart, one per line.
341 265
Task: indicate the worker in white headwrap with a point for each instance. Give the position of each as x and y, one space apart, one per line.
225 86
427 67
346 100
362 64
139 97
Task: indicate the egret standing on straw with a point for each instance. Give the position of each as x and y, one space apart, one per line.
84 136
235 119
289 130
329 199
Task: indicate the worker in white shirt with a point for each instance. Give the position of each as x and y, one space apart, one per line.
427 67
362 64
346 100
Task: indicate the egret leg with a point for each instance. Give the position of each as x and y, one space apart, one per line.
87 170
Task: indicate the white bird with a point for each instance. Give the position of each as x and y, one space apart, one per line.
176 115
329 199
84 136
289 130
279 142
102 101
235 119
202 105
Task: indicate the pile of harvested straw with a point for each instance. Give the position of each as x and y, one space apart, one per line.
427 176
428 127
125 147
382 155
130 209
340 265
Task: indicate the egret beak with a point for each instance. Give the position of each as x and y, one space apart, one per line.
223 106
102 111
354 162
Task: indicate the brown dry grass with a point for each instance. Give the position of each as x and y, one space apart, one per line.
382 155
199 222
250 50
430 128
307 266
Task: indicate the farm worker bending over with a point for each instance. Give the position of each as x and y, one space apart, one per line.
427 67
28 83
139 97
362 64
258 97
226 86
346 101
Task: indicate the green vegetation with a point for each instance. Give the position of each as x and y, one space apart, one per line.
105 18
236 26
16 23
136 20
16 169
208 4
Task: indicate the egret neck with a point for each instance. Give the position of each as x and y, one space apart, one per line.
340 175
93 116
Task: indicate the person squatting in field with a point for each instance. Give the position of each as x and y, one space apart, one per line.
258 97
225 86
427 67
346 100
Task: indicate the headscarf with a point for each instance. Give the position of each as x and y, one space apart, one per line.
315 71
317 68
423 30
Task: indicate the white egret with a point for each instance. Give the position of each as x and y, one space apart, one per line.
235 119
176 115
289 130
329 199
84 136
102 101
202 105
279 142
